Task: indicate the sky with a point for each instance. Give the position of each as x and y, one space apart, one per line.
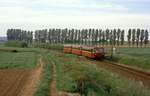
41 14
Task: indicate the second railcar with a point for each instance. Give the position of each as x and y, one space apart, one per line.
77 50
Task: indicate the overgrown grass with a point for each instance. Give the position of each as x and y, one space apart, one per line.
71 73
139 57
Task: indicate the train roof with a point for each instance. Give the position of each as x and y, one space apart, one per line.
90 48
83 47
67 45
73 46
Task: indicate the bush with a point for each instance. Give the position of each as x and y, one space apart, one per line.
16 44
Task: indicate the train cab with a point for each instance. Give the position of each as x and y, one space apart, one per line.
98 52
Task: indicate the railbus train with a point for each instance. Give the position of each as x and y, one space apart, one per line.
90 52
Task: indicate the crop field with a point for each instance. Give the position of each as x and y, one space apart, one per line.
17 60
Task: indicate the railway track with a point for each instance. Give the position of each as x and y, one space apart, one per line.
126 71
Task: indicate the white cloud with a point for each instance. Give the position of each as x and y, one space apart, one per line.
21 14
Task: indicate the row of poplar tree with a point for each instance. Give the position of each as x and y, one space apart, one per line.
84 36
20 35
138 37
116 37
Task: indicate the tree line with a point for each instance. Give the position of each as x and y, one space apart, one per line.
137 37
20 35
115 37
83 36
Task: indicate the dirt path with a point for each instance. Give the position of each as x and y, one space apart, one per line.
18 82
53 89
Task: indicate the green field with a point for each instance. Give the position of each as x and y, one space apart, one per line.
138 57
20 59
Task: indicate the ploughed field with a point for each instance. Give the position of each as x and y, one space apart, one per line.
13 81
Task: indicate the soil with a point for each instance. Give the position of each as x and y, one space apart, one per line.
82 58
53 89
19 82
66 59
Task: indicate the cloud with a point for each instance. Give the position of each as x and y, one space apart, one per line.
33 14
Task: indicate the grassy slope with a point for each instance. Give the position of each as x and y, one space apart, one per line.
139 57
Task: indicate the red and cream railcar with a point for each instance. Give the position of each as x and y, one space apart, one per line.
90 52
67 49
77 50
